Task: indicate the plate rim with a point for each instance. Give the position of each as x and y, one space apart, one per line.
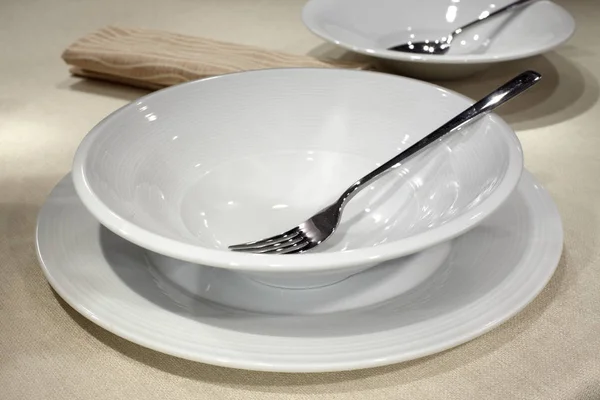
330 366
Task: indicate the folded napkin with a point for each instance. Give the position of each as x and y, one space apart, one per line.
155 59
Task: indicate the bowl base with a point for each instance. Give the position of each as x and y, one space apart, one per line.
432 72
242 291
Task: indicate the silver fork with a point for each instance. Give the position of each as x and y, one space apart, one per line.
321 226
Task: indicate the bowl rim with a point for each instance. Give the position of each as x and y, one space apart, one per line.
224 258
307 15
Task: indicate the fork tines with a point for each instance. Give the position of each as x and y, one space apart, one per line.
292 241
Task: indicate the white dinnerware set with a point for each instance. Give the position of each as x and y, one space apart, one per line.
439 251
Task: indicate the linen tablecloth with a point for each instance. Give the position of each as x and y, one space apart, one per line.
551 350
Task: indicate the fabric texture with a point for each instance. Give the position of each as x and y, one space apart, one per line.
154 59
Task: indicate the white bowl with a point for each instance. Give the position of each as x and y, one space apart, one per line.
372 26
188 170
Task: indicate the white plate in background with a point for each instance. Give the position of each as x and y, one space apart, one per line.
370 27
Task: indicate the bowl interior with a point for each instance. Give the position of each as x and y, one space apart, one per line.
376 25
246 156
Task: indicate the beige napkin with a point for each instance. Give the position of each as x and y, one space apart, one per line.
155 59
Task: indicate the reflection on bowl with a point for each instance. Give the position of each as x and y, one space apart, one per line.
189 170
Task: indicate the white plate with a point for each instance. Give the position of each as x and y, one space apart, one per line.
372 26
490 274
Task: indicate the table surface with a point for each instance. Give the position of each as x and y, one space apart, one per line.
551 350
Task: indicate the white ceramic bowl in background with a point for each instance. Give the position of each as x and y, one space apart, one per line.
188 170
372 26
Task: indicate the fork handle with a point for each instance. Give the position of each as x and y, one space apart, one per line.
487 15
498 97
